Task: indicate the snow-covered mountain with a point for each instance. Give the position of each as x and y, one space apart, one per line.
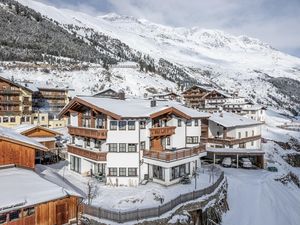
182 56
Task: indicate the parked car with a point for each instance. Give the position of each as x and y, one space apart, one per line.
245 163
227 162
272 169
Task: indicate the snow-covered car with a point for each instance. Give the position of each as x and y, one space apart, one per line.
245 163
226 162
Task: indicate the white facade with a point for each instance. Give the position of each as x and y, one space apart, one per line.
128 138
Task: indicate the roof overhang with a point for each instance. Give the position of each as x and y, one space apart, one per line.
170 110
41 147
76 102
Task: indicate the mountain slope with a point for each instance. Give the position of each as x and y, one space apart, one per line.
187 56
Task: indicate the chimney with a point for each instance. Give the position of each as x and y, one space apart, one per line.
153 103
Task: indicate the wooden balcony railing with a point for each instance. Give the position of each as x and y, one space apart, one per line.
10 102
169 156
53 96
9 92
88 132
162 131
9 112
97 156
230 140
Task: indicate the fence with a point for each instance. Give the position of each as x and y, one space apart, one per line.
138 214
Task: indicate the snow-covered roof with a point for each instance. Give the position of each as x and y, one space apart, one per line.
43 139
37 85
23 128
138 108
227 119
10 134
26 188
235 150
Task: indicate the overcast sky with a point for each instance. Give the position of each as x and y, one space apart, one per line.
276 22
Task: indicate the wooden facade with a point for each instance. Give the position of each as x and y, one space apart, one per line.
16 153
58 212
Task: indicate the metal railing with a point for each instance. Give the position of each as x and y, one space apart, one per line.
138 214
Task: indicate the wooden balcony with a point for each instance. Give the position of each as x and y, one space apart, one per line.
10 92
88 132
53 96
96 156
169 156
162 131
10 112
230 140
10 102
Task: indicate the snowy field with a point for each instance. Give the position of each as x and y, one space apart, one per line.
124 198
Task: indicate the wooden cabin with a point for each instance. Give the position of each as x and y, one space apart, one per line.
28 199
40 134
18 149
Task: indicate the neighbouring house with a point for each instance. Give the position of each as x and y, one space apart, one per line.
27 198
110 93
18 149
15 103
211 100
167 96
232 135
132 140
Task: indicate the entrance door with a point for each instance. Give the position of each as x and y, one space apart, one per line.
62 214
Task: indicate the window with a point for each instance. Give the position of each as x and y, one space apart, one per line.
97 143
189 123
113 147
196 122
143 145
29 211
22 119
252 143
158 172
2 218
27 118
168 141
142 124
14 215
75 164
122 147
179 171
43 118
113 172
253 133
5 119
246 134
12 119
132 172
113 125
73 140
242 145
192 140
122 125
131 147
240 135
179 123
131 125
87 142
122 172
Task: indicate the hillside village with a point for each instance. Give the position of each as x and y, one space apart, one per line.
108 140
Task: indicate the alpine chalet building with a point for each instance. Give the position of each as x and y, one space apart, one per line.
133 140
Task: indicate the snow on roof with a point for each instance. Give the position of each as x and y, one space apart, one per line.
23 127
139 107
43 139
236 150
35 86
33 189
26 127
227 119
15 136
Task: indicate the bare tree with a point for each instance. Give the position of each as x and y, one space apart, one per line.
92 190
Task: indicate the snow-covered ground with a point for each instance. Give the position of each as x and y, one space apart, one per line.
255 198
124 198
